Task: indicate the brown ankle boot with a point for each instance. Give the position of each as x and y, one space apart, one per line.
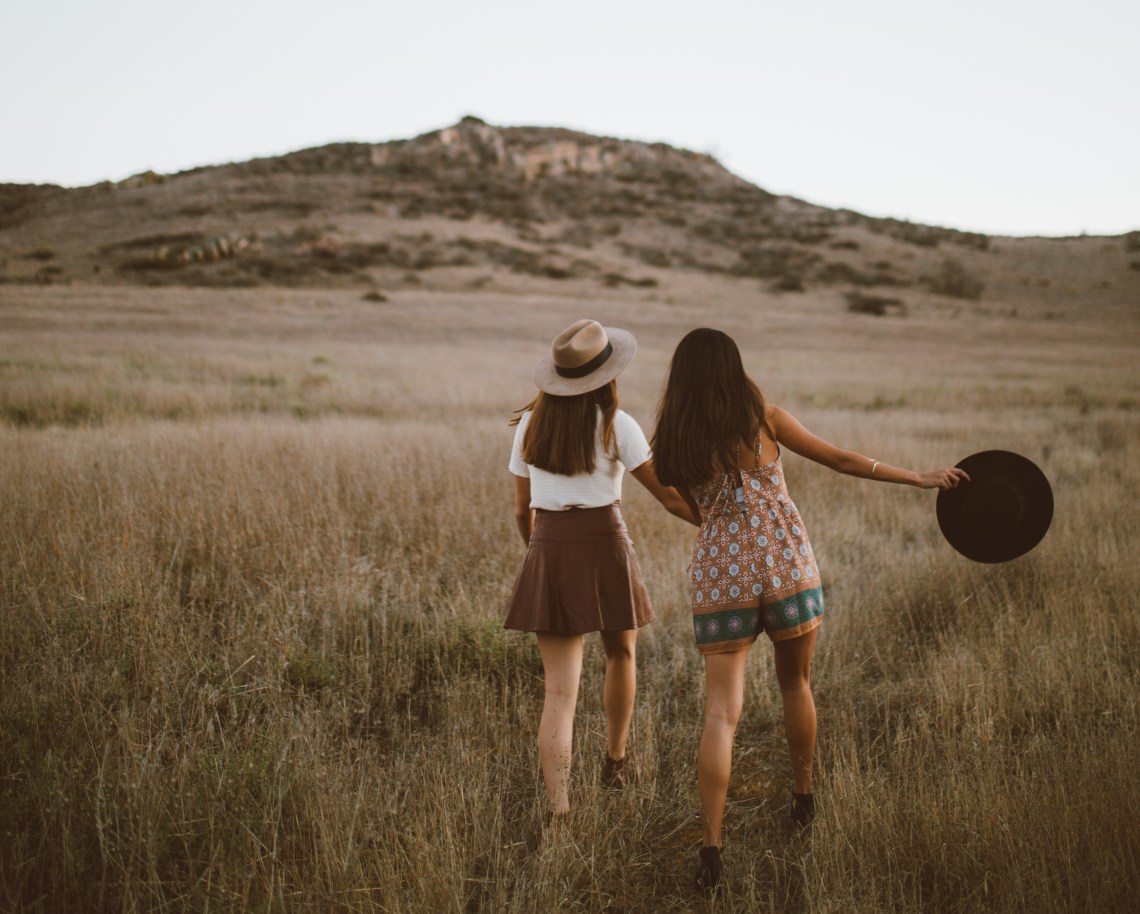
711 869
614 773
803 808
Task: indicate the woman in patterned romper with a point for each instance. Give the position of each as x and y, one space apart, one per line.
753 568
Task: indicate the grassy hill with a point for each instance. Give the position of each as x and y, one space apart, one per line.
475 206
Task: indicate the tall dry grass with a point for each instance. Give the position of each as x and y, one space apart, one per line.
253 658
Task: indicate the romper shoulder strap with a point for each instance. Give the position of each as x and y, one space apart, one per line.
758 460
760 445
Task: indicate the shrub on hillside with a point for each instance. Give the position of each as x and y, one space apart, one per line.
875 305
953 279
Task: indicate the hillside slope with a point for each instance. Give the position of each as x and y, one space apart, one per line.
475 206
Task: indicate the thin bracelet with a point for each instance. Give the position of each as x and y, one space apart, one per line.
874 466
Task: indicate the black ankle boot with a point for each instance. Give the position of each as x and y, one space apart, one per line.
803 808
710 870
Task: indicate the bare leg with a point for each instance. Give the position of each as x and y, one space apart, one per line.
562 666
724 700
620 689
793 672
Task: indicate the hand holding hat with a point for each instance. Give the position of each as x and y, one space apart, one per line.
1001 513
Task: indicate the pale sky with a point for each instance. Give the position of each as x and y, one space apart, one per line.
1003 116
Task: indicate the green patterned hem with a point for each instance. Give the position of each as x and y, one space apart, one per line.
783 615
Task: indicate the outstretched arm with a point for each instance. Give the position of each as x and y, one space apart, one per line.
672 500
791 434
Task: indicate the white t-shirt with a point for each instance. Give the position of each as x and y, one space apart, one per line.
554 492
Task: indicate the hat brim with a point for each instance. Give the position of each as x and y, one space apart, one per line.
548 380
1003 512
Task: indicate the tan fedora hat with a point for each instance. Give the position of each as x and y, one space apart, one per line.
584 357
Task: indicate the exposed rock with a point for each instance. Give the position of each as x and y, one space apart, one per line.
531 153
144 179
169 254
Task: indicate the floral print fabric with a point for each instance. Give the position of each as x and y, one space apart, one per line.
753 567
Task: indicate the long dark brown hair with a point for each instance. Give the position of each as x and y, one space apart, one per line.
562 430
708 408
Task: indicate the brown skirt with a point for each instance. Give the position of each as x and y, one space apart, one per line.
580 574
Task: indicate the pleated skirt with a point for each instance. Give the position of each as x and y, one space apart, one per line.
580 575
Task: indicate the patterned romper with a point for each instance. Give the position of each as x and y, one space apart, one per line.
753 568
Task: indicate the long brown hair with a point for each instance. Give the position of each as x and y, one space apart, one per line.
708 407
560 437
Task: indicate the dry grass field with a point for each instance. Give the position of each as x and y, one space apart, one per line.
254 557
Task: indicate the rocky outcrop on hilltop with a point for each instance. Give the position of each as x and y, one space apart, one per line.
466 206
522 175
532 153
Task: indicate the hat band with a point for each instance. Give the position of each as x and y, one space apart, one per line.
582 370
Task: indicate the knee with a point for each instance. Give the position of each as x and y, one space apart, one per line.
560 692
793 663
793 677
794 682
723 717
619 654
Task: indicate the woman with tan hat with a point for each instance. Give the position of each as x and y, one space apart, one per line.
580 574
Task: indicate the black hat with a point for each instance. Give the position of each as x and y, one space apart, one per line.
1003 512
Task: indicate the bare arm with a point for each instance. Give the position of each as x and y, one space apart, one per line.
796 438
669 497
524 514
